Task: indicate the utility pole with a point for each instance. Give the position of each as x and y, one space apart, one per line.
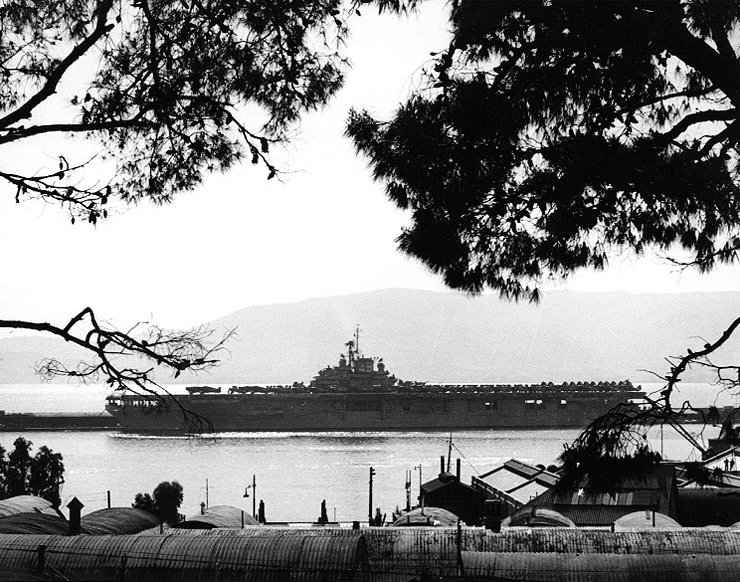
370 501
206 493
458 537
408 490
253 487
449 453
421 498
254 496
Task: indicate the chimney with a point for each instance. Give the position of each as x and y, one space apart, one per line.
75 509
261 512
442 464
458 469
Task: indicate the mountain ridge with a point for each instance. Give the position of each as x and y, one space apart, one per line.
450 337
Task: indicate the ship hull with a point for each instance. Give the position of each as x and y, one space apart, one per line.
364 412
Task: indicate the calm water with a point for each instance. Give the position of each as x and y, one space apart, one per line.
294 471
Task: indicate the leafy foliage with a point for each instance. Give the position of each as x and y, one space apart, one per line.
552 132
144 501
168 94
167 500
601 461
164 502
21 474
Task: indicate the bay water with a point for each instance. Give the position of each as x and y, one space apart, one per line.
294 471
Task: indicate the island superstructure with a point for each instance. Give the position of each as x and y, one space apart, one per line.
359 393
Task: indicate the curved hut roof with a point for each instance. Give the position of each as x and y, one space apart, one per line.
537 517
264 554
34 523
26 504
218 516
118 520
428 516
601 567
640 520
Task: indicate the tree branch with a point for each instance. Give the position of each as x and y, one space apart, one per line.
666 97
117 356
16 133
49 88
700 56
674 377
698 117
614 444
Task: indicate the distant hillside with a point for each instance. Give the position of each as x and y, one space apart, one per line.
449 337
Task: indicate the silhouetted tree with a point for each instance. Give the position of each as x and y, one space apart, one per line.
144 501
19 468
162 87
169 91
164 502
167 499
551 132
21 474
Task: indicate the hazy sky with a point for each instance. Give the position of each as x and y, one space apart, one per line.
240 240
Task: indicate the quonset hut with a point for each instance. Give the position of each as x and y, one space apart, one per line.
382 554
118 521
261 554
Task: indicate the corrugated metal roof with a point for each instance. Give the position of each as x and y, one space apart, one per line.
596 515
118 520
263 554
223 516
33 523
537 517
603 542
602 568
26 504
15 554
386 541
396 554
431 516
402 553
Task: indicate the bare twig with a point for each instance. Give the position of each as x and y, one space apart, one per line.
117 357
614 444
